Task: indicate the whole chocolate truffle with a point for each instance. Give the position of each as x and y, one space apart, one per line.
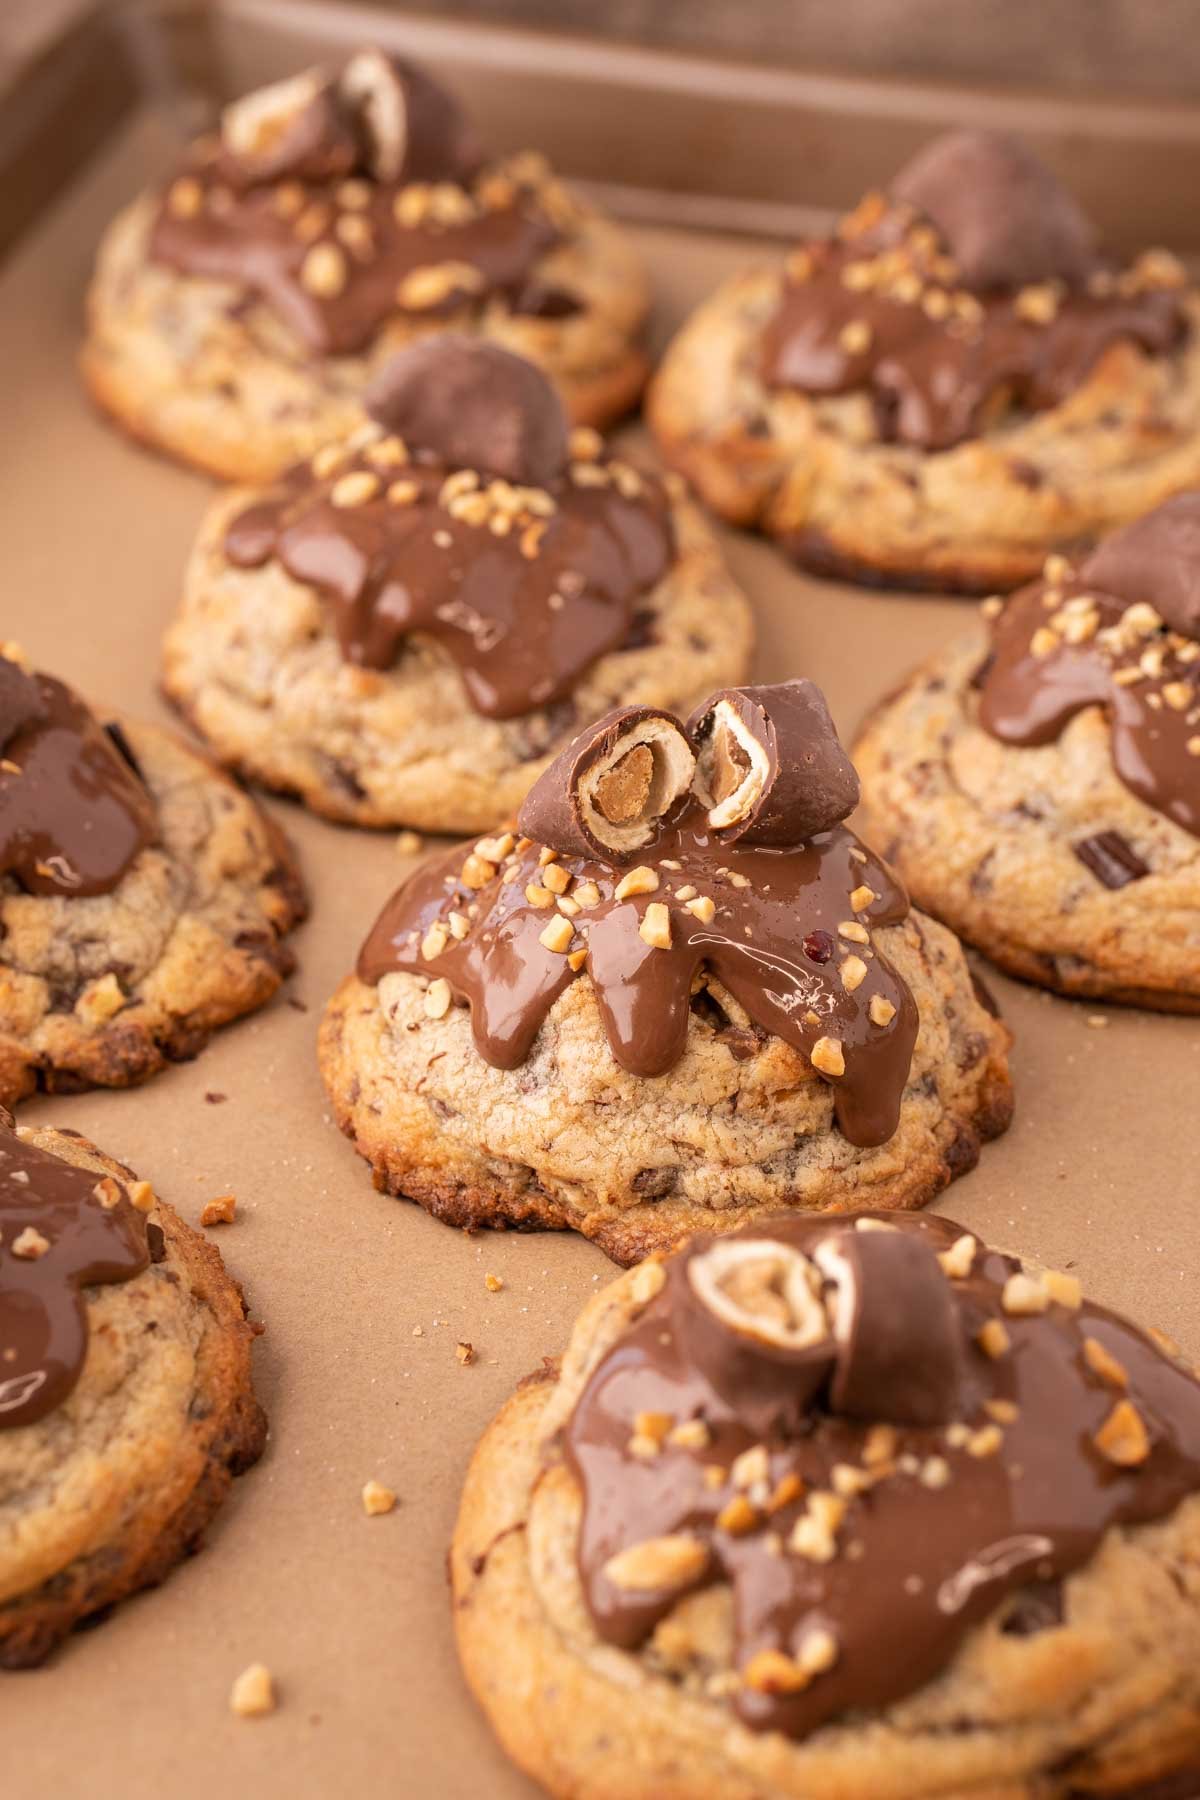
1157 560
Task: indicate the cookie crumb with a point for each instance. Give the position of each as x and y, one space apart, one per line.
215 1099
465 1352
220 1211
253 1693
378 1499
492 1283
1097 1021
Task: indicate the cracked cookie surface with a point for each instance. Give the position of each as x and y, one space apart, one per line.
742 1124
1101 1701
103 991
106 1493
811 471
983 833
253 660
195 367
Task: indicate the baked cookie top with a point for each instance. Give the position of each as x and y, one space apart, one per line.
74 809
1119 630
650 851
468 511
873 1429
62 1228
345 197
972 284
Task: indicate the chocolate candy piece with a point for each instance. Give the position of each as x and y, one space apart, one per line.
760 1332
1005 218
769 766
410 128
473 405
1111 858
899 1343
608 791
292 129
1157 560
21 703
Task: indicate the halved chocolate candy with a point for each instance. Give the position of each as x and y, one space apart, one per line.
1156 560
21 702
1005 218
759 1328
769 766
410 128
608 791
895 1324
473 405
292 128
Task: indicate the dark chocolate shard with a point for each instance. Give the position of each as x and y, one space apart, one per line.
21 701
409 127
293 129
1156 560
899 1342
1005 218
607 792
473 405
770 768
1111 858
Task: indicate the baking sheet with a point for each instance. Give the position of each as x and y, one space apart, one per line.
1099 1171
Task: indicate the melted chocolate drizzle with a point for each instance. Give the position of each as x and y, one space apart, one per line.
1145 676
773 943
262 237
43 1315
881 309
930 1547
74 813
524 599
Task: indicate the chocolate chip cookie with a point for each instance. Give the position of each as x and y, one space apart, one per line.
683 992
409 627
853 1505
955 384
1038 784
126 1404
237 314
143 897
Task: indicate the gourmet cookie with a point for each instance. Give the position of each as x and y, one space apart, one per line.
143 896
409 626
1038 786
955 384
125 1399
684 995
236 316
841 1506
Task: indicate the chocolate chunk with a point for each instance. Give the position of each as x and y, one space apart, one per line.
473 405
21 702
1157 560
607 793
770 768
1005 218
409 127
899 1343
1111 859
537 300
293 129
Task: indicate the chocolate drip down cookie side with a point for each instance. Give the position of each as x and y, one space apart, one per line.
408 627
1037 785
126 1405
956 383
852 1505
681 992
144 899
238 312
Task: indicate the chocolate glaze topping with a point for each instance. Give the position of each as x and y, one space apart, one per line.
971 289
861 1549
525 585
74 812
61 1230
784 930
1100 633
342 200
